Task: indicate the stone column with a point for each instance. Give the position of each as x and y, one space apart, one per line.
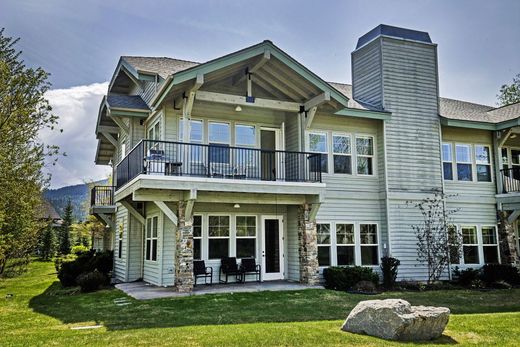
507 240
184 251
307 247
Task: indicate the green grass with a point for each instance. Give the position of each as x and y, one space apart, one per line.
42 313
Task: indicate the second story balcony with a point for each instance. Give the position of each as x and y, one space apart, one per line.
510 180
216 163
102 203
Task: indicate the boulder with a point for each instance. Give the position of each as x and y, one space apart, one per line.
396 319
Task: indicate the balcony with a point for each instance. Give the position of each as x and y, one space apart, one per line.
214 163
510 180
102 200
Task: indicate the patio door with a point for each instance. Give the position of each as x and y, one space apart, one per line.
269 143
272 248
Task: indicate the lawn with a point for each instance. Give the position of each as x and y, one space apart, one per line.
40 312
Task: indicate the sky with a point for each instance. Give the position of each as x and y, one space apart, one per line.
80 42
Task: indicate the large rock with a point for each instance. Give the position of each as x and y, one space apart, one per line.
396 319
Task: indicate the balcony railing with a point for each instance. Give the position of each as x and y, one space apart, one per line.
152 157
102 196
510 179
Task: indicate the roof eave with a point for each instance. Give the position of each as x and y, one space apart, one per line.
461 123
247 53
352 112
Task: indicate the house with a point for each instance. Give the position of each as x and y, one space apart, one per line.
253 154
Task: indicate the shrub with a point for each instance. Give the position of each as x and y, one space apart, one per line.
85 263
415 286
389 267
60 260
492 273
79 249
90 281
344 278
468 277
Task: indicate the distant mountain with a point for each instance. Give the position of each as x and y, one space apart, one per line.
78 195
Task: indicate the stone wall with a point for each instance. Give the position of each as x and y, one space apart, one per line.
307 247
184 251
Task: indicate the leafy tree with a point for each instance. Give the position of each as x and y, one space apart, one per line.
510 93
66 229
436 241
84 232
24 112
48 242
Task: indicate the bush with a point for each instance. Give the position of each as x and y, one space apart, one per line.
90 281
86 262
389 267
492 273
79 249
60 260
467 278
414 286
344 278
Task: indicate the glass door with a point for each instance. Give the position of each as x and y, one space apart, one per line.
272 248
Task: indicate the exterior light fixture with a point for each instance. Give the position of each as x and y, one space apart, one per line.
236 206
238 108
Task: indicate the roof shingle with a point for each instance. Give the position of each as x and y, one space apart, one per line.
127 101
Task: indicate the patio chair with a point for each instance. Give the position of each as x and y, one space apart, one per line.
248 266
229 267
201 270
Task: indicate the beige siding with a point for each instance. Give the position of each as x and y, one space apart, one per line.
366 74
120 263
293 255
135 249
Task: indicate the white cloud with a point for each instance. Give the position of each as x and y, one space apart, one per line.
77 108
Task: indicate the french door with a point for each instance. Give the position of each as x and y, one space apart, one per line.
272 248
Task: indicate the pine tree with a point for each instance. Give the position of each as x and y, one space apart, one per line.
48 243
65 229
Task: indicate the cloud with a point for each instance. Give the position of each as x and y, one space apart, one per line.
77 108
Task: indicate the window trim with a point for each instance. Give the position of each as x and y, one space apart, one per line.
233 230
335 256
324 245
453 169
327 145
229 237
159 222
377 244
477 163
229 143
473 161
333 153
478 244
243 124
497 244
201 237
373 156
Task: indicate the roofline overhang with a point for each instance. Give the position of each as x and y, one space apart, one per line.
241 55
352 112
460 123
132 73
128 112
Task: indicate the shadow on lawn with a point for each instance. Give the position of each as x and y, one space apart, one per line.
116 311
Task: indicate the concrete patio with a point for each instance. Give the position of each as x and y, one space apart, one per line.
146 291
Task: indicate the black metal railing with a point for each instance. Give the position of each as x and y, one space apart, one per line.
153 157
510 179
102 196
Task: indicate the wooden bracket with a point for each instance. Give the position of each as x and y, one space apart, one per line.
140 218
167 211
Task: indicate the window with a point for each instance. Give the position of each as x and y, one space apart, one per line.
323 231
246 236
470 245
490 245
245 135
345 244
154 130
365 155
453 238
123 150
197 237
192 153
219 140
447 161
505 159
151 238
463 156
483 160
342 154
218 237
369 245
120 243
318 144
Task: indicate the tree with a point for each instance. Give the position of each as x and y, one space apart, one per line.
24 112
436 239
66 229
48 242
509 94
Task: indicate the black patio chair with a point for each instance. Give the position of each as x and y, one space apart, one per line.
201 270
229 267
249 267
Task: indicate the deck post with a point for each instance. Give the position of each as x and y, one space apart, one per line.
307 246
184 253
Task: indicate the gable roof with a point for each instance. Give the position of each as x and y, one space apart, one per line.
163 66
126 102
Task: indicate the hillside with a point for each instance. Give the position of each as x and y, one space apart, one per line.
78 195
